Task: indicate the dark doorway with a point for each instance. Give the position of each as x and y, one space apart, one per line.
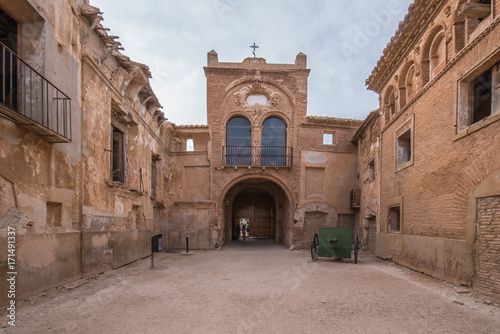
8 61
258 207
8 31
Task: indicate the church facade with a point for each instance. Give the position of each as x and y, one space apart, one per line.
261 158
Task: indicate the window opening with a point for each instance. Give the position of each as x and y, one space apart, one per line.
189 145
482 96
394 219
404 148
118 156
153 176
273 142
238 141
256 99
327 138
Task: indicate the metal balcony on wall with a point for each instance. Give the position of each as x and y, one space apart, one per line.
257 156
32 101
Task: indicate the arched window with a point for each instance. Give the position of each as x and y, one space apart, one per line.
410 87
437 55
389 104
273 142
238 142
433 54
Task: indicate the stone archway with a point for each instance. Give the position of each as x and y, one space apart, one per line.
265 202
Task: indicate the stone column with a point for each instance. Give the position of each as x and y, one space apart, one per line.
256 144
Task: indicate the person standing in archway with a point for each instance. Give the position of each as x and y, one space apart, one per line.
243 227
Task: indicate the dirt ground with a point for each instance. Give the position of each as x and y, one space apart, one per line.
256 287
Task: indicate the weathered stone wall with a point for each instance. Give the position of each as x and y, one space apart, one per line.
38 179
368 181
118 213
70 219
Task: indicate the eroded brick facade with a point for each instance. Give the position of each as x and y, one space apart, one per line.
439 139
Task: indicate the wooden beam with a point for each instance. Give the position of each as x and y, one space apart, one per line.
474 10
92 26
113 48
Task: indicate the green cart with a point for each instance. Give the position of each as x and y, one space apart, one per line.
334 242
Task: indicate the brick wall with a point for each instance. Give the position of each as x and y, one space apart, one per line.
487 281
446 166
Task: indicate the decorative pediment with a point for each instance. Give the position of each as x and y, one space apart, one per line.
257 88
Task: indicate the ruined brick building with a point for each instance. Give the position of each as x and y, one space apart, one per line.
429 158
90 169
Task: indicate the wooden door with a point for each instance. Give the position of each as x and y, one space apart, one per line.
259 210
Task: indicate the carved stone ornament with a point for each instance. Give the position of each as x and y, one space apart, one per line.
396 78
447 11
257 87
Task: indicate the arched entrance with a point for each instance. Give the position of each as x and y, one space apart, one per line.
264 203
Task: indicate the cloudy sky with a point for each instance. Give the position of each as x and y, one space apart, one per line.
342 40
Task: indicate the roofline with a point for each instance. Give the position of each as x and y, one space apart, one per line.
415 23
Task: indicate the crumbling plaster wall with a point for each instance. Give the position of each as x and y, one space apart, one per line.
36 175
70 220
368 181
188 187
119 217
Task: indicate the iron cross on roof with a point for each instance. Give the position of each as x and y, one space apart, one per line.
254 47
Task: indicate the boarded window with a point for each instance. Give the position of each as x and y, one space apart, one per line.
54 214
315 183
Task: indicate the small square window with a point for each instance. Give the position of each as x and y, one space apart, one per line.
394 219
404 148
329 138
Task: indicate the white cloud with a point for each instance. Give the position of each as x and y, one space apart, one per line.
343 41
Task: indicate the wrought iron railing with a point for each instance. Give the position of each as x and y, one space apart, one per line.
355 198
31 100
258 156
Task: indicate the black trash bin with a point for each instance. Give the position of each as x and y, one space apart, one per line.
156 243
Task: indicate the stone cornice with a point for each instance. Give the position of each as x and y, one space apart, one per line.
325 121
414 24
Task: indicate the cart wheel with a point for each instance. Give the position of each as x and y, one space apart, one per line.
314 247
355 248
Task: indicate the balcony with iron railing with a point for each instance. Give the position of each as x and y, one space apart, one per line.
355 198
257 156
32 101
